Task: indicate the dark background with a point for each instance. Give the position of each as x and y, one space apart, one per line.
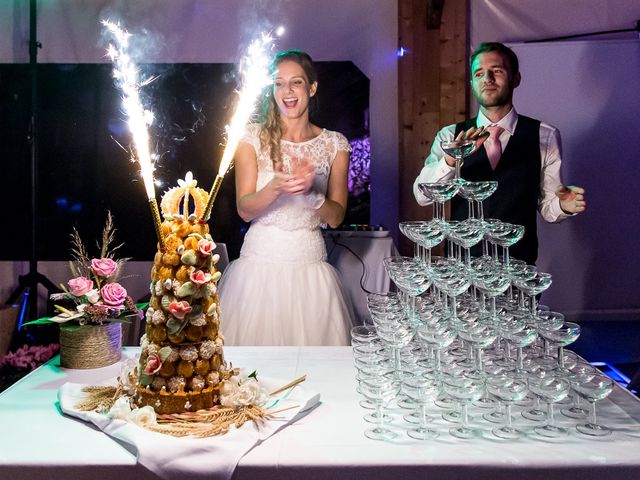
83 169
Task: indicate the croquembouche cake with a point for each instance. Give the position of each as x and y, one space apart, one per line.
181 362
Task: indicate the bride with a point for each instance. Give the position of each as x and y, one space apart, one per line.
291 176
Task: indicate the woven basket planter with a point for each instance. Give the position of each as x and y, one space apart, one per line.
90 346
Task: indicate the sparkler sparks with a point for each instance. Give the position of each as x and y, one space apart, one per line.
125 73
254 70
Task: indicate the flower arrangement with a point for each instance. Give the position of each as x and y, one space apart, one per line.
94 290
15 365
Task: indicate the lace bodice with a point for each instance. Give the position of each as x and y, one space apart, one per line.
292 212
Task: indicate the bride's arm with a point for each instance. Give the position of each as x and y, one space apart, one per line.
249 202
334 207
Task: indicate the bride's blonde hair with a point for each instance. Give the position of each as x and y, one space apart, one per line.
271 131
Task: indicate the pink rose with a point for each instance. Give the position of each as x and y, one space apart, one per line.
154 364
113 294
179 309
80 286
199 277
205 247
103 267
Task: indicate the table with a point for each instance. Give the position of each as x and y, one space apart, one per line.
37 442
345 252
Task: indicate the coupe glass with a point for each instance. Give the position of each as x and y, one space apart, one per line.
458 149
465 390
550 389
381 391
478 192
363 334
438 335
396 336
408 229
508 390
599 387
581 372
508 236
421 389
532 286
410 276
467 234
439 193
427 237
561 337
520 339
480 337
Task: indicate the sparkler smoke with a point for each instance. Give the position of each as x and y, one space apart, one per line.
125 73
254 71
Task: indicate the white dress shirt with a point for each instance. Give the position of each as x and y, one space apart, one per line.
436 169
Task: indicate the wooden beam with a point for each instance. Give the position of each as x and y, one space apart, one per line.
433 91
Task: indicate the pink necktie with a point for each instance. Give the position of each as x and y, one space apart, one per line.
493 146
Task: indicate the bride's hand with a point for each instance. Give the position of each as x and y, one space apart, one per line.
306 172
286 183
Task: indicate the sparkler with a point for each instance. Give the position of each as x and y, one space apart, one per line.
254 69
125 72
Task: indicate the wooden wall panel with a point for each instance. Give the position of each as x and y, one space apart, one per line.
433 90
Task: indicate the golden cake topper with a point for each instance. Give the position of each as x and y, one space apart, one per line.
186 189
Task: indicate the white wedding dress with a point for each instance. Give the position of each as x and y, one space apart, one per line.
281 291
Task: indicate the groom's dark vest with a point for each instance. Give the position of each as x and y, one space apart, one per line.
518 177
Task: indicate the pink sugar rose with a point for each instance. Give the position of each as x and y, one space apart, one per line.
154 364
103 267
205 247
113 294
179 309
80 286
199 277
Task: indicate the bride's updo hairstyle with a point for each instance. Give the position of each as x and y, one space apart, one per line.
271 131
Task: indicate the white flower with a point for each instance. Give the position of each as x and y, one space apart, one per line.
239 392
127 376
145 416
93 296
120 409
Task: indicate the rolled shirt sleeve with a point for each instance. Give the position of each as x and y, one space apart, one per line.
435 168
550 182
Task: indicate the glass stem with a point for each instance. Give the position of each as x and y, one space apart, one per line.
454 308
398 359
561 356
550 419
412 308
380 415
423 415
464 415
505 256
507 415
478 356
534 305
592 413
519 359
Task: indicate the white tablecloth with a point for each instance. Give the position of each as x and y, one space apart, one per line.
345 253
38 442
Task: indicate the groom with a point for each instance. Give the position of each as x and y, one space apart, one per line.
520 153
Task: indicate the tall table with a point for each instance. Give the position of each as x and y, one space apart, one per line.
38 442
358 258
